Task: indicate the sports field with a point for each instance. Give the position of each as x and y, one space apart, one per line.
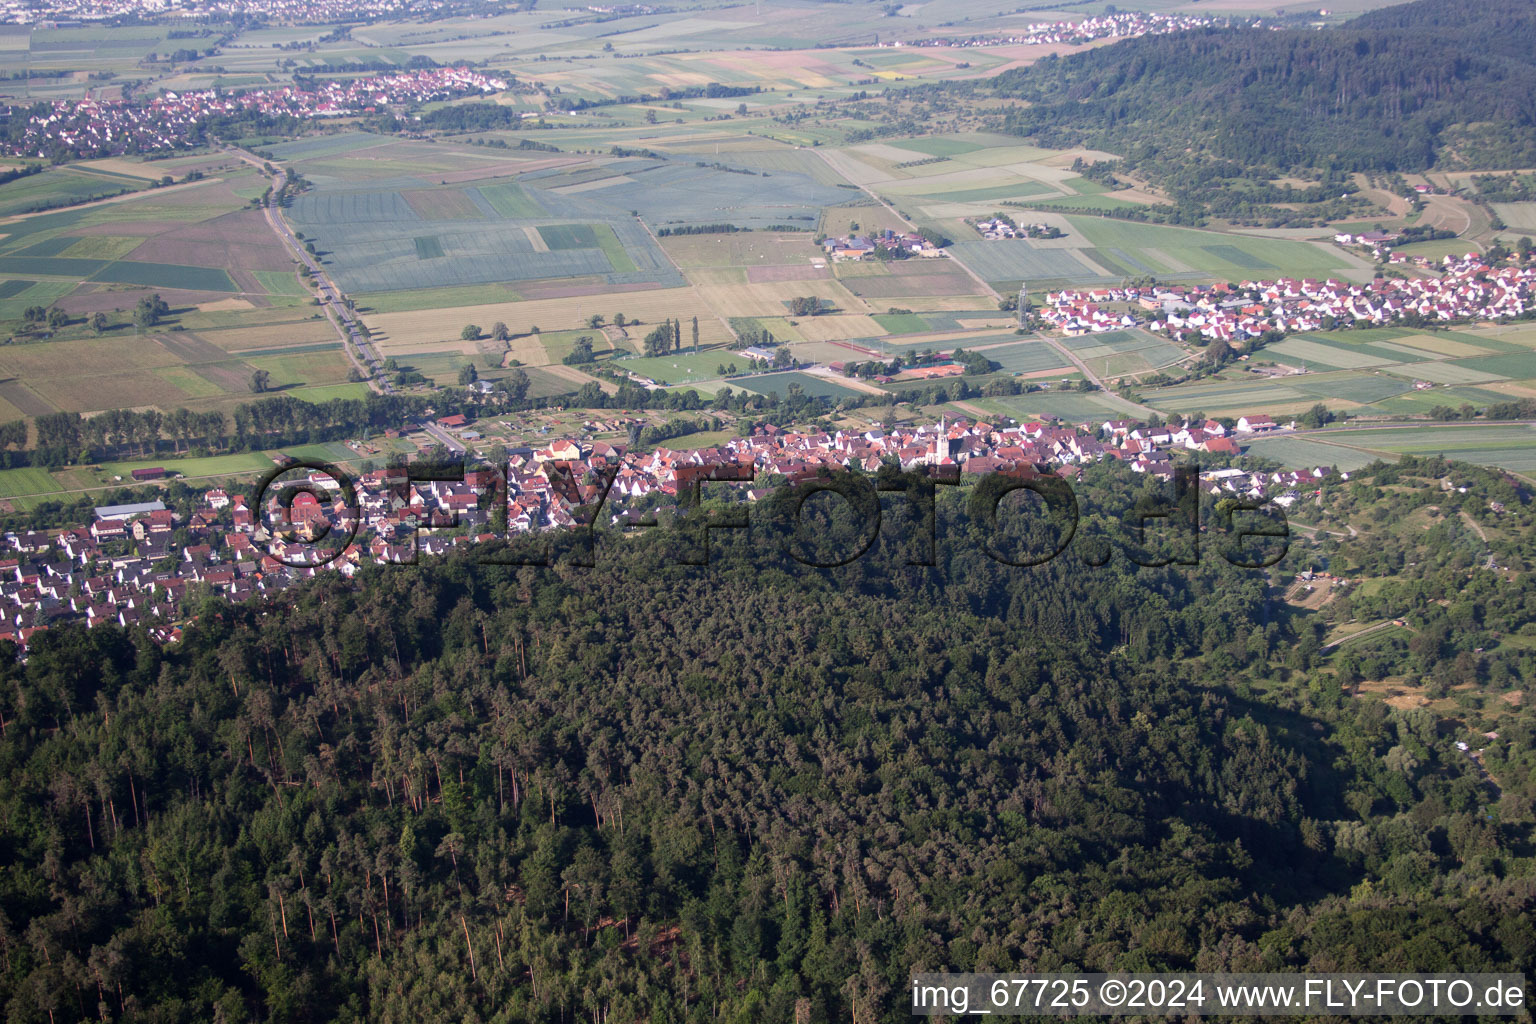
681 367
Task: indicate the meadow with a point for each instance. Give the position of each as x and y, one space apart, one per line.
1510 446
811 384
1124 353
681 367
1069 406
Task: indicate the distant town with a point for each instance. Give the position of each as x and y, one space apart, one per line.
173 120
1468 289
71 13
1123 25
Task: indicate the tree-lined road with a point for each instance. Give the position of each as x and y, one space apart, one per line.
359 348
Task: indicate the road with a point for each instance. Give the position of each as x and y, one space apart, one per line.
358 348
447 440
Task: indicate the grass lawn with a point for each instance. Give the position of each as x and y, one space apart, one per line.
698 439
281 282
901 323
810 384
435 298
330 391
27 480
237 464
680 367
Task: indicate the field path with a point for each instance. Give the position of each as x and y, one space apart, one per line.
363 356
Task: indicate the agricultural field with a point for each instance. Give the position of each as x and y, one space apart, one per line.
1009 261
1517 216
416 330
1510 446
1379 373
60 186
1309 452
1162 250
1069 406
1024 358
1125 353
197 244
811 384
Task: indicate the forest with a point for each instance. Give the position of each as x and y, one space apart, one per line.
1432 83
752 790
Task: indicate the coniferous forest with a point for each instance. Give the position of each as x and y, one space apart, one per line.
752 790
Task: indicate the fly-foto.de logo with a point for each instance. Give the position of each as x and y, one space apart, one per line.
313 514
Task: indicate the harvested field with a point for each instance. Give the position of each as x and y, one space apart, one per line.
895 286
838 327
22 399
187 347
760 275
414 329
771 298
740 249
237 240
441 204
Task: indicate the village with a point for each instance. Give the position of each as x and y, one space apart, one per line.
137 563
1468 289
1122 25
172 120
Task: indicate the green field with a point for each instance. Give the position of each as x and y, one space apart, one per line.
569 236
938 146
1084 203
811 384
1212 252
512 200
27 480
1234 396
681 367
58 186
281 282
405 300
1305 452
1510 446
1028 357
901 323
1072 406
